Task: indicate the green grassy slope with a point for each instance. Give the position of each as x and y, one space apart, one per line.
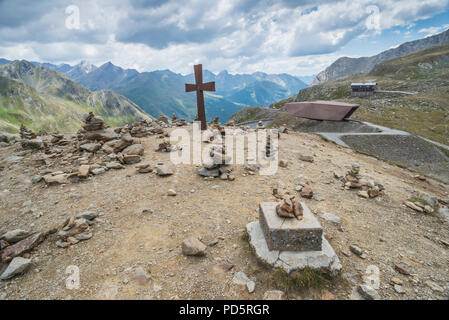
44 99
424 74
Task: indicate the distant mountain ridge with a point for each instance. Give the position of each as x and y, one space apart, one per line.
42 98
344 67
162 91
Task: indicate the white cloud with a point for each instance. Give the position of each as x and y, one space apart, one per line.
434 30
297 37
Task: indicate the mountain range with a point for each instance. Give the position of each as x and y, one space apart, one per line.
412 95
44 99
344 67
163 91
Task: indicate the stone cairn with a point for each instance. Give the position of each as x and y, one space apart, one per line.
289 208
93 123
216 165
354 180
268 147
181 122
29 139
230 123
162 118
164 146
140 129
288 236
215 122
27 133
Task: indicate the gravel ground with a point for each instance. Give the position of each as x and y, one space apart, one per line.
140 226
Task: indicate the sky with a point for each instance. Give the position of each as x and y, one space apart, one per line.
283 36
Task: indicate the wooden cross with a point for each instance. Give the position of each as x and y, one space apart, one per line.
199 87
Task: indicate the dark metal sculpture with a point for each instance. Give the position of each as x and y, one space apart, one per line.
321 110
199 87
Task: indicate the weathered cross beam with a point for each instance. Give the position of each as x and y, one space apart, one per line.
199 87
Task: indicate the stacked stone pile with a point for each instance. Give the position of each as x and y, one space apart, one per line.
354 180
215 165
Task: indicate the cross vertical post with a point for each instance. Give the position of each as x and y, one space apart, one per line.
199 87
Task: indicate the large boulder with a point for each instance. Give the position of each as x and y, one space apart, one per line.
17 266
14 235
34 144
135 149
21 247
124 142
102 135
131 158
90 147
193 247
55 179
3 138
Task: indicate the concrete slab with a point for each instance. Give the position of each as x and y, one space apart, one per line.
324 260
290 234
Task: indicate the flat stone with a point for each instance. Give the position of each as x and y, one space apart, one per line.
83 236
83 171
32 143
136 149
52 179
435 287
331 217
140 276
17 266
356 250
306 158
90 147
444 213
209 172
401 269
98 171
88 215
324 260
306 192
13 159
114 165
102 135
363 194
222 267
131 158
21 247
367 292
242 279
163 170
290 234
413 206
79 225
15 235
273 295
398 288
193 247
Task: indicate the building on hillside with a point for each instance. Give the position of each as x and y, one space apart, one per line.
321 110
363 89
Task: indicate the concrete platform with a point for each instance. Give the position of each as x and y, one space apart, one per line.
290 234
324 260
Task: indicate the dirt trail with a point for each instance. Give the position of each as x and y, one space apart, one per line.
140 226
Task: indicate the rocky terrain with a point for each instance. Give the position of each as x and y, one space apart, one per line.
139 227
346 67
